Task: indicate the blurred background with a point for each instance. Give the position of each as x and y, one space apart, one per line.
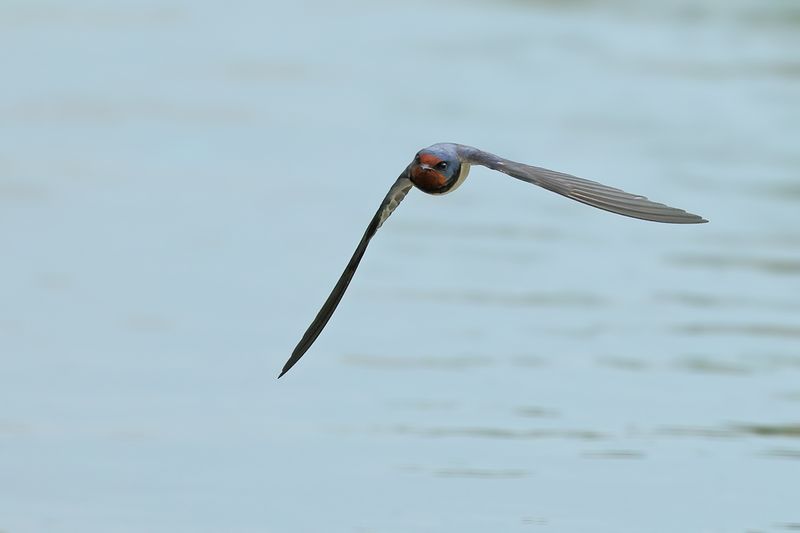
181 184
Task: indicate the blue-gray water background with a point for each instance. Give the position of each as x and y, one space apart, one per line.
181 183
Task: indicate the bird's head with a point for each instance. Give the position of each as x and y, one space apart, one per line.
438 169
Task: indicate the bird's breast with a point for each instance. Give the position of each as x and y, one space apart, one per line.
433 182
428 180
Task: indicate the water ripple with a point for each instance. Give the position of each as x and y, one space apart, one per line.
790 430
500 433
782 454
532 411
480 473
750 330
509 299
461 362
770 265
712 301
614 454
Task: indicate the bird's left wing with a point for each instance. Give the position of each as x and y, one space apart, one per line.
582 190
393 198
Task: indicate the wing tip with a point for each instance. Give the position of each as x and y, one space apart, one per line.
691 219
695 219
289 364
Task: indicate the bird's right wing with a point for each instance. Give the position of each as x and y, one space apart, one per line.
393 198
582 190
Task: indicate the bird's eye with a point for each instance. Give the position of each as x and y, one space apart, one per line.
416 159
441 165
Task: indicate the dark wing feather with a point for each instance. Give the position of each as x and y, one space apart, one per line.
582 190
396 194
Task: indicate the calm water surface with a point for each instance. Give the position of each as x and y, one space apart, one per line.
181 185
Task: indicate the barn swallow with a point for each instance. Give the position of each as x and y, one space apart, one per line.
441 168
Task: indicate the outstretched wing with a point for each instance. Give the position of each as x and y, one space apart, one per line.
582 190
395 195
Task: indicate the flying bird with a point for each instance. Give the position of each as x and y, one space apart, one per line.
441 168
